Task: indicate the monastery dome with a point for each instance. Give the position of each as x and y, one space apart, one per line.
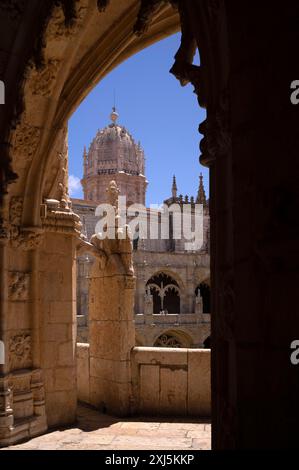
114 149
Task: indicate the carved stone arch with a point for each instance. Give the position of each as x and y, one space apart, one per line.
173 338
76 81
169 272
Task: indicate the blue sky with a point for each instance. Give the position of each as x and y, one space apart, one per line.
156 110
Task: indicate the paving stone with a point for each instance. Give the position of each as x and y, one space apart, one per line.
94 430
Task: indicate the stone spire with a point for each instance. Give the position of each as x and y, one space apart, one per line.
201 195
174 188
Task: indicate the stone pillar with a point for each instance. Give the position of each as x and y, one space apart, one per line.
57 304
251 145
111 325
112 336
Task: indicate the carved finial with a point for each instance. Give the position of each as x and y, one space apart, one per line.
113 193
114 115
174 188
201 195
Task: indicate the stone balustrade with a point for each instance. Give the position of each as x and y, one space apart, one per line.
172 318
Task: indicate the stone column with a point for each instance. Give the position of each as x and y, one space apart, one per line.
112 336
111 307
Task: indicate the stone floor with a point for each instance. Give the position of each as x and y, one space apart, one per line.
95 431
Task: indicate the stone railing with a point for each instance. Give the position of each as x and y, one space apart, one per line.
165 381
172 319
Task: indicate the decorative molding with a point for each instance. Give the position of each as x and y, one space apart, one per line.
42 80
147 10
56 185
18 286
15 216
130 282
60 29
25 141
62 221
15 210
29 238
20 354
216 130
4 230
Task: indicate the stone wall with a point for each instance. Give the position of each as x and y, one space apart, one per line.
165 381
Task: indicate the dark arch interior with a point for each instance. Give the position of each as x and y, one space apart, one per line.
205 293
171 299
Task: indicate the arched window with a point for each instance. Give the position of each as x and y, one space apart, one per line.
205 293
166 294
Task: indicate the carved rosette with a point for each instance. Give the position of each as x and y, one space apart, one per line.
18 283
20 352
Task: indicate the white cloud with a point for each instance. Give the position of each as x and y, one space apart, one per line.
74 185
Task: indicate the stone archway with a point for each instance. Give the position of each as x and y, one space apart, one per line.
74 50
40 233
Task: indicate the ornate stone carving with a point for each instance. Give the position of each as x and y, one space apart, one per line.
15 210
56 186
20 355
63 221
147 10
29 238
26 140
4 229
216 130
42 80
18 289
130 282
59 27
7 175
15 215
167 341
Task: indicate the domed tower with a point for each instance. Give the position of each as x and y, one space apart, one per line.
114 155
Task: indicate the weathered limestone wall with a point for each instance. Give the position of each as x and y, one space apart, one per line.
170 381
165 381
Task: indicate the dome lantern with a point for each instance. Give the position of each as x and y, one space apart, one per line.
114 115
